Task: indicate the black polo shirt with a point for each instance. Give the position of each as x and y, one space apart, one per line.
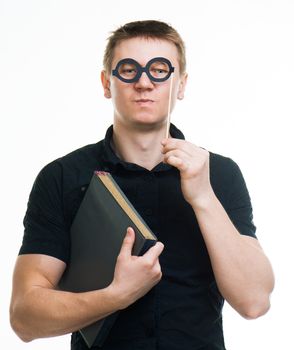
184 310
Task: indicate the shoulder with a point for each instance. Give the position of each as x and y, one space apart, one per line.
222 165
82 158
225 175
62 182
70 171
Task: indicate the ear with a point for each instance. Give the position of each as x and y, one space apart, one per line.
182 86
106 84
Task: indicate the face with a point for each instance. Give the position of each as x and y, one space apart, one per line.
143 102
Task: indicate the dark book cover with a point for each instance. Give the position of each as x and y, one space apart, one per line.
97 234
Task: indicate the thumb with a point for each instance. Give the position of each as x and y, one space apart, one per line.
128 242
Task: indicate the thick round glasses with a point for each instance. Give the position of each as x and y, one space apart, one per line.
129 71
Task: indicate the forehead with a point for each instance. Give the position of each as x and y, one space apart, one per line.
144 49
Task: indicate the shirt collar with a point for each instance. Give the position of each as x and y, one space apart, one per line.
112 162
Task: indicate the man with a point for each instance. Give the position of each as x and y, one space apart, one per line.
196 203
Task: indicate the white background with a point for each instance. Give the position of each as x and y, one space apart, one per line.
239 102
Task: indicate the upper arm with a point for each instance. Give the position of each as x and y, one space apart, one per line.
46 230
239 207
35 270
230 187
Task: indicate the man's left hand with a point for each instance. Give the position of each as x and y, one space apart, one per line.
193 164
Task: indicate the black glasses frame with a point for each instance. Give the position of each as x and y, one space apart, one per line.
140 69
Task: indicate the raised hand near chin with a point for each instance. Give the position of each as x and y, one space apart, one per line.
193 164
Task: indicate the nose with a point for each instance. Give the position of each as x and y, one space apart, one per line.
144 82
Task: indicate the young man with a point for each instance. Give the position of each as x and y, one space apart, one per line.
196 203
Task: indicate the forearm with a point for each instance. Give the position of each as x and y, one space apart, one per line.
242 271
38 310
44 312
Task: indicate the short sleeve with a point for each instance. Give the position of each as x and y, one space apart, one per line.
45 229
239 206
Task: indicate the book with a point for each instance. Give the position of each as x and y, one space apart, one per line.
97 233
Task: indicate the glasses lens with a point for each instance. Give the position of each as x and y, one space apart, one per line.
159 69
127 70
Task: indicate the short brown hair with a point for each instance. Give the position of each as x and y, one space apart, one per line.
147 29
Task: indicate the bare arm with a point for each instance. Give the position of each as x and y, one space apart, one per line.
39 310
243 273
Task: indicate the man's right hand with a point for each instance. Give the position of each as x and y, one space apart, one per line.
134 276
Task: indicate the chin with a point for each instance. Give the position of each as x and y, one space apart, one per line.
142 121
149 126
150 121
148 118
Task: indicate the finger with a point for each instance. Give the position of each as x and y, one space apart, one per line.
128 242
177 153
171 142
154 252
175 144
177 163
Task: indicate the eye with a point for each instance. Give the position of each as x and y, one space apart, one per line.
159 69
127 70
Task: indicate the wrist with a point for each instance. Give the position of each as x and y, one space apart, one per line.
116 297
204 201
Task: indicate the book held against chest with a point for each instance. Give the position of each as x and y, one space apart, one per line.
97 233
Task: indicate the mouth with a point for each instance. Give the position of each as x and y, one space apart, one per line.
144 102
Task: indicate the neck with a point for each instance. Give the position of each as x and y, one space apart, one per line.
142 147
